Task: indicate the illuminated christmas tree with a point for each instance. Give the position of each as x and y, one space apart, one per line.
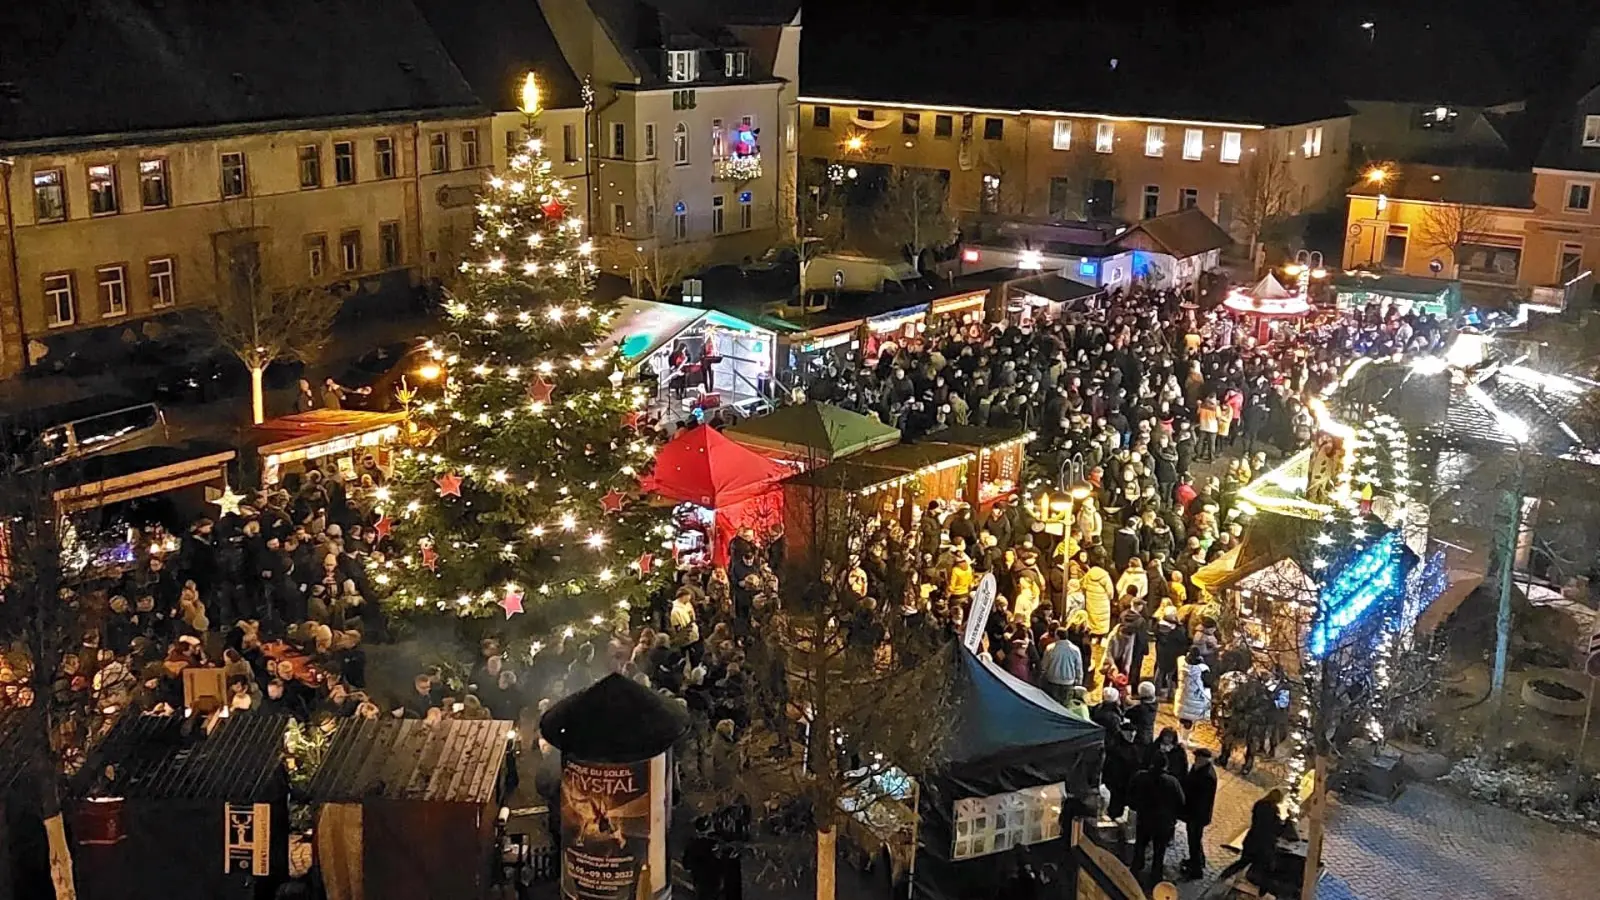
520 493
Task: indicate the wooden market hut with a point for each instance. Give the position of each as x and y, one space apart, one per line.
1001 457
182 808
812 434
409 807
290 443
889 482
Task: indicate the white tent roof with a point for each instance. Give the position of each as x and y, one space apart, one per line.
1268 288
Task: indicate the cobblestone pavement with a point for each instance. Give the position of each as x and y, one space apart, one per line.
1427 844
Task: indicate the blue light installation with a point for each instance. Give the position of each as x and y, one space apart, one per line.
1423 586
1345 601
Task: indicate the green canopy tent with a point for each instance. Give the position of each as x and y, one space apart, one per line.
813 434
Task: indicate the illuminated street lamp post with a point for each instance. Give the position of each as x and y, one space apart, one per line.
1307 265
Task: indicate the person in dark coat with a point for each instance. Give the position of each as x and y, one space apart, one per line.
1122 761
1199 801
1267 827
1143 713
1157 797
700 858
1169 752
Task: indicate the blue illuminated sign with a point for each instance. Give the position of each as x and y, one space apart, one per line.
1087 267
1364 581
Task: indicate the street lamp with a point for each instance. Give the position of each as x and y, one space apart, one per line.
1307 265
1377 175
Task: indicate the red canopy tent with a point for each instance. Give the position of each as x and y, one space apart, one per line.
740 486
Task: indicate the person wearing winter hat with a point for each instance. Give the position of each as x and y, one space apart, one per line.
1143 713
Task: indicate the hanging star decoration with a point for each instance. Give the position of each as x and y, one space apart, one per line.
228 501
383 526
631 418
645 563
540 390
449 484
511 602
613 500
430 558
554 210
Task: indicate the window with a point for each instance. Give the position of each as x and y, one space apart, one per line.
1059 202
989 195
310 166
821 117
389 252
49 195
344 162
1580 194
719 146
102 189
112 285
867 115
735 63
569 143
350 250
943 125
162 274
469 148
716 214
745 209
1152 201
683 99
1224 211
619 140
1100 201
514 142
1188 198
993 128
1105 136
234 183
58 300
383 157
997 824
1194 143
1232 146
649 140
649 219
1155 140
1061 136
682 65
1312 146
154 190
680 221
1394 247
1571 265
1435 118
438 152
910 123
619 219
680 145
1591 131
317 256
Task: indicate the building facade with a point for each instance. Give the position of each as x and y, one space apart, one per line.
1077 166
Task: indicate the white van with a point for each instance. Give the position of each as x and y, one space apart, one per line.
848 272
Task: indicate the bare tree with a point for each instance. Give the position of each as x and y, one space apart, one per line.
1266 193
820 221
914 212
1446 228
1083 170
648 246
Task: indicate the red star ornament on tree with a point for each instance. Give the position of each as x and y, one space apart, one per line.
430 558
511 602
383 526
645 563
613 500
449 484
540 390
554 210
631 418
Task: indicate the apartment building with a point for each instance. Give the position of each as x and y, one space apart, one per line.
1077 165
207 142
692 124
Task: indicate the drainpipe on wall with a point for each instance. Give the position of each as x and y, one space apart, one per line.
11 316
416 199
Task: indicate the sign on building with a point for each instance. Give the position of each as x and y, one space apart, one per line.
247 837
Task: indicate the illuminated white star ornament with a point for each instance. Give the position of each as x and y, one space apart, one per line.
228 501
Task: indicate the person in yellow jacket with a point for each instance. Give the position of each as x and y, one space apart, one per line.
1098 590
959 585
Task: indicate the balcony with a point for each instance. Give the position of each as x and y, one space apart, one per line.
738 168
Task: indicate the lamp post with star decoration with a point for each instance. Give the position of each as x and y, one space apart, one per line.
520 495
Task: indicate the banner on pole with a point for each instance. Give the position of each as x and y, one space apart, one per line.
978 611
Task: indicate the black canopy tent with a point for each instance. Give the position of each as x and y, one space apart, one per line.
1011 745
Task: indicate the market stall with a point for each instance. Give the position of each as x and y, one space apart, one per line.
696 358
295 443
811 353
812 434
820 505
1043 299
1266 308
1014 764
1001 459
1401 294
888 331
408 808
966 308
722 487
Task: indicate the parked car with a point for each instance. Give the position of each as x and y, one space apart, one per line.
382 371
777 259
53 435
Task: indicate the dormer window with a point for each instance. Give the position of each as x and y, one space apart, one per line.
683 66
1591 131
736 63
1436 118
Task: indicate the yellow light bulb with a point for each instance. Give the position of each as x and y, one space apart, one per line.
530 95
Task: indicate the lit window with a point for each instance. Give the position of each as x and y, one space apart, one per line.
1232 146
102 189
438 152
1061 138
719 148
1155 140
1312 147
735 63
716 214
310 166
162 274
350 251
1152 201
234 182
112 284
989 197
996 824
1580 195
154 192
469 148
1591 131
1105 136
58 300
682 65
680 144
1194 143
344 162
49 195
